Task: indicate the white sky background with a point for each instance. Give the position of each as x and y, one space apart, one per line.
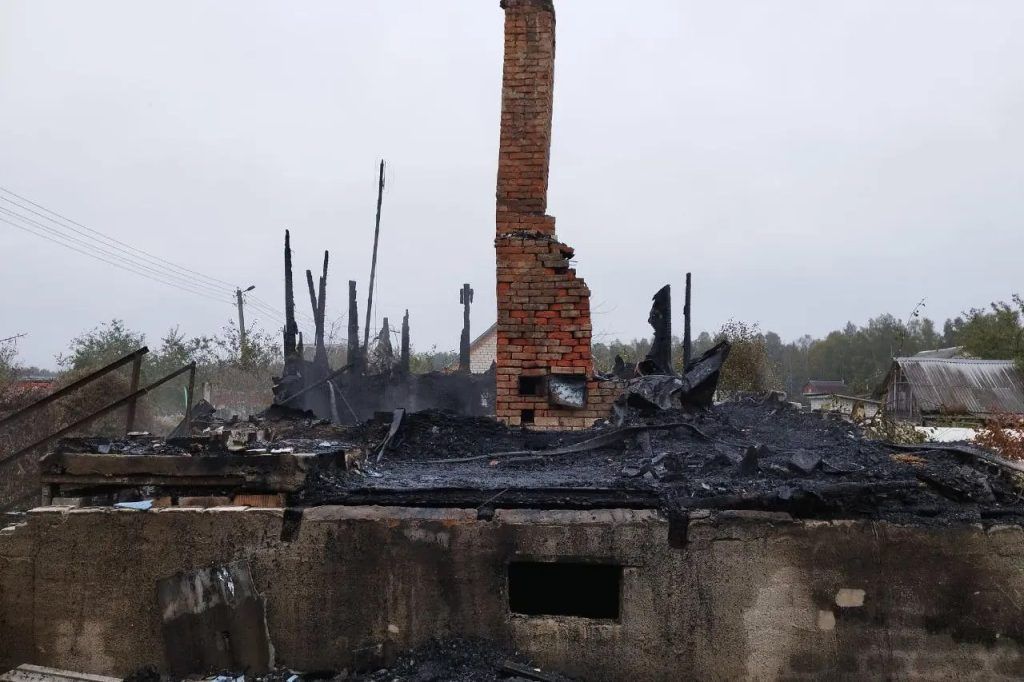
810 162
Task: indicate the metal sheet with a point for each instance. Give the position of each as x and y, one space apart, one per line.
568 390
964 386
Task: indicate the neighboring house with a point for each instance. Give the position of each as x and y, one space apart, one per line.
483 351
924 389
829 395
34 383
852 406
825 387
942 353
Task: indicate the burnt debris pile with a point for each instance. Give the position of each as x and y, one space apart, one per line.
461 660
372 377
756 453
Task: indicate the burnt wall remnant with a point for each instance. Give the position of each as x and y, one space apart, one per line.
749 595
544 325
372 379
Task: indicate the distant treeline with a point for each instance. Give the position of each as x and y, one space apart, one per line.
858 354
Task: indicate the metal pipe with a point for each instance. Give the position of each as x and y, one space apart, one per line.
129 424
85 421
73 386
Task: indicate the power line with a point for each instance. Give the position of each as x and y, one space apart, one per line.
109 238
97 249
115 252
114 263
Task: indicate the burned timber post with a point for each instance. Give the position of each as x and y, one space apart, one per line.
543 308
466 299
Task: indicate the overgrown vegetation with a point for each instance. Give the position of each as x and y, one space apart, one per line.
1004 434
891 431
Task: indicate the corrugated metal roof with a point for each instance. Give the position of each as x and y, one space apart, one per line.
951 352
964 386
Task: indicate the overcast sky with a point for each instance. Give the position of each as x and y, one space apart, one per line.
810 162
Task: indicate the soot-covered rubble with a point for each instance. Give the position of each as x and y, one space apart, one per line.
754 453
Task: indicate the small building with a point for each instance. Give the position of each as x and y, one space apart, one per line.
483 351
926 390
32 383
825 387
855 407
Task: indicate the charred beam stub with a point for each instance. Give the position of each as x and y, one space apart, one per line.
404 362
659 359
290 328
321 348
318 303
384 352
353 328
687 319
465 298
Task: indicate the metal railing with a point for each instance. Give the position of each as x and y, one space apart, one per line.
130 401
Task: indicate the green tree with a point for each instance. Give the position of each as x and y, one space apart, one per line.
100 346
748 368
260 351
993 333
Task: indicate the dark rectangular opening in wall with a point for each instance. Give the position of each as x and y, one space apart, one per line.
564 589
531 385
526 417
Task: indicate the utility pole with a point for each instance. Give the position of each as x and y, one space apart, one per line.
241 319
373 262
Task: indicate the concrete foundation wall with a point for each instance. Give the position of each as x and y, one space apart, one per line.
742 596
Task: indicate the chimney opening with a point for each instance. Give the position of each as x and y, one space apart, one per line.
526 417
531 385
564 589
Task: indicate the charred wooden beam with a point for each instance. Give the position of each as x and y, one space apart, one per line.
404 362
318 302
373 261
382 359
687 341
290 328
352 357
659 359
465 298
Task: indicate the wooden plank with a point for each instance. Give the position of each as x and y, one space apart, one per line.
272 501
518 498
141 479
268 473
38 673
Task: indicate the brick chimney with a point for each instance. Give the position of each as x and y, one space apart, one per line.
544 360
